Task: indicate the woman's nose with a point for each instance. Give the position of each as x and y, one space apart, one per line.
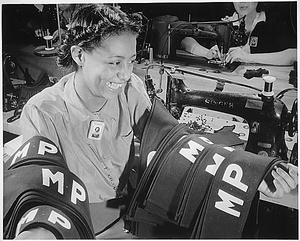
125 72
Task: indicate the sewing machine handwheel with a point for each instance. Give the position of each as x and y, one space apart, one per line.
293 123
9 64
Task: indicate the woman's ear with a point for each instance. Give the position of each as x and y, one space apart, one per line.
77 55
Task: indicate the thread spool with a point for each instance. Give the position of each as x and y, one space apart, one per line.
268 88
48 40
150 55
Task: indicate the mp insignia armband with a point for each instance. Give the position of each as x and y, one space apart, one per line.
37 179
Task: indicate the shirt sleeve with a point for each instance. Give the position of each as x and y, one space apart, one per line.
139 104
34 122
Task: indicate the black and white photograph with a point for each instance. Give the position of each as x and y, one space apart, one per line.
149 120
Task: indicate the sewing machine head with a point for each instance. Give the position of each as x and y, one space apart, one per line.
169 32
268 117
207 34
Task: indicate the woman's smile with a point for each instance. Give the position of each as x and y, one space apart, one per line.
114 86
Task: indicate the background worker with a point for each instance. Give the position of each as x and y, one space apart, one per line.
266 40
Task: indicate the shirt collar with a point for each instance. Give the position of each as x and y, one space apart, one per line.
79 112
260 17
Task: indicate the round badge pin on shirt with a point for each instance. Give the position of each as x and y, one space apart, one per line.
96 130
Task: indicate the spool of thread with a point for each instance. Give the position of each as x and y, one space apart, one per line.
268 89
150 55
48 40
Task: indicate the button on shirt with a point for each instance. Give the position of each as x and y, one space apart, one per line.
58 114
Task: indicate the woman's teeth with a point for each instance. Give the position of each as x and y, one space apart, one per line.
113 85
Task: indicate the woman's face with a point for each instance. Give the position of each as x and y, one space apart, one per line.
245 8
107 69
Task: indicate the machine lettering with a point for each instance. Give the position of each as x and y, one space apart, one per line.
78 193
46 147
192 152
54 217
28 218
227 203
212 169
233 175
22 153
58 218
219 102
57 177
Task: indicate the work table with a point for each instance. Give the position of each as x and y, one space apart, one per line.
281 73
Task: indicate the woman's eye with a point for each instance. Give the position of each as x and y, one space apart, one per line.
118 63
115 63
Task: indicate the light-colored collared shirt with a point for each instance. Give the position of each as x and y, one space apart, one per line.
58 114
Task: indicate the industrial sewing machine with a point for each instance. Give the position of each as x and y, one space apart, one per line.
168 33
266 115
218 32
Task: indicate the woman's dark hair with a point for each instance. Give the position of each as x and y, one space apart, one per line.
91 25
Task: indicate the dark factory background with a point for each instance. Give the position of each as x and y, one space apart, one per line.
18 19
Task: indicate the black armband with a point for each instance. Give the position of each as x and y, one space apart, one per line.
37 176
49 218
207 189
